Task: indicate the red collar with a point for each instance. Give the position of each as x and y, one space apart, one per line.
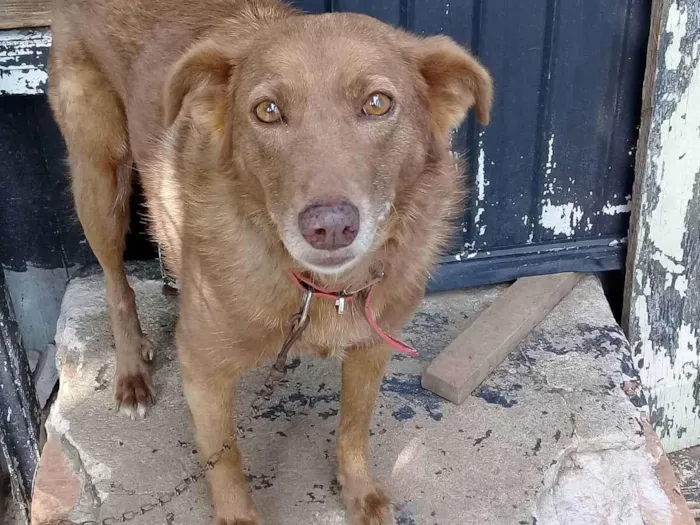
342 297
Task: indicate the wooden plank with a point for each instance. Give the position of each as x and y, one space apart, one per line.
641 155
662 298
15 14
470 358
19 411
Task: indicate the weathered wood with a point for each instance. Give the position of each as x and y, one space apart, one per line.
19 412
641 157
15 14
662 297
470 358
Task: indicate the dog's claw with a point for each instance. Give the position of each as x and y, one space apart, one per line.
148 350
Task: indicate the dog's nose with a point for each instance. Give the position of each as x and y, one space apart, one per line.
329 225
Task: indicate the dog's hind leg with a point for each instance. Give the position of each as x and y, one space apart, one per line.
93 124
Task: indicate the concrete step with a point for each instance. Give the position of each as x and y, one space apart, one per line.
549 438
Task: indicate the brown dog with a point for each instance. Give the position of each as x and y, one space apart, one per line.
268 143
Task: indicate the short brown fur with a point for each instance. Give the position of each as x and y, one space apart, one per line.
169 85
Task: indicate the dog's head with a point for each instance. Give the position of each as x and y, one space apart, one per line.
330 117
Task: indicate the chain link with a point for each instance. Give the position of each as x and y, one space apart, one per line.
278 370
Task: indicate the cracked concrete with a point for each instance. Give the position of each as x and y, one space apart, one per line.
549 438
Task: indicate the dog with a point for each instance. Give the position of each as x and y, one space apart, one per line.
284 157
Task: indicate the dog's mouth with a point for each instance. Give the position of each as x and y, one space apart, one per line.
333 261
323 262
330 264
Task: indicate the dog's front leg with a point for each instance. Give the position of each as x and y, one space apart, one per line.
211 401
365 501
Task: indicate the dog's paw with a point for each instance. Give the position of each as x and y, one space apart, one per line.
371 507
133 390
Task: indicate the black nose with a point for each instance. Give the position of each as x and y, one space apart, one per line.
329 225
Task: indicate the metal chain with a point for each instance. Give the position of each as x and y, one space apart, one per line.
278 370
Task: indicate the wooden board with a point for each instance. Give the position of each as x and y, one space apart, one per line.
465 363
662 297
16 14
19 412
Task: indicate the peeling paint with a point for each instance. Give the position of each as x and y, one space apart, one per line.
664 317
681 285
677 20
618 242
23 61
675 160
479 212
562 219
610 209
550 156
480 174
481 184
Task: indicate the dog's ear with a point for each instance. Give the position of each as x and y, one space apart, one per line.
456 81
205 68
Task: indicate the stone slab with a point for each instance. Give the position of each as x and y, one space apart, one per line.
549 438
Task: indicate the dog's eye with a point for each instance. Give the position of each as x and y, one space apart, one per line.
377 104
268 112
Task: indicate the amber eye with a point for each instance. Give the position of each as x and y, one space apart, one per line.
377 104
268 112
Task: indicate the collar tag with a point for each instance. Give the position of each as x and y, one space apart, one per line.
341 299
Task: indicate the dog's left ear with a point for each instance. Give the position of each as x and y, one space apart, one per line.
202 73
456 81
